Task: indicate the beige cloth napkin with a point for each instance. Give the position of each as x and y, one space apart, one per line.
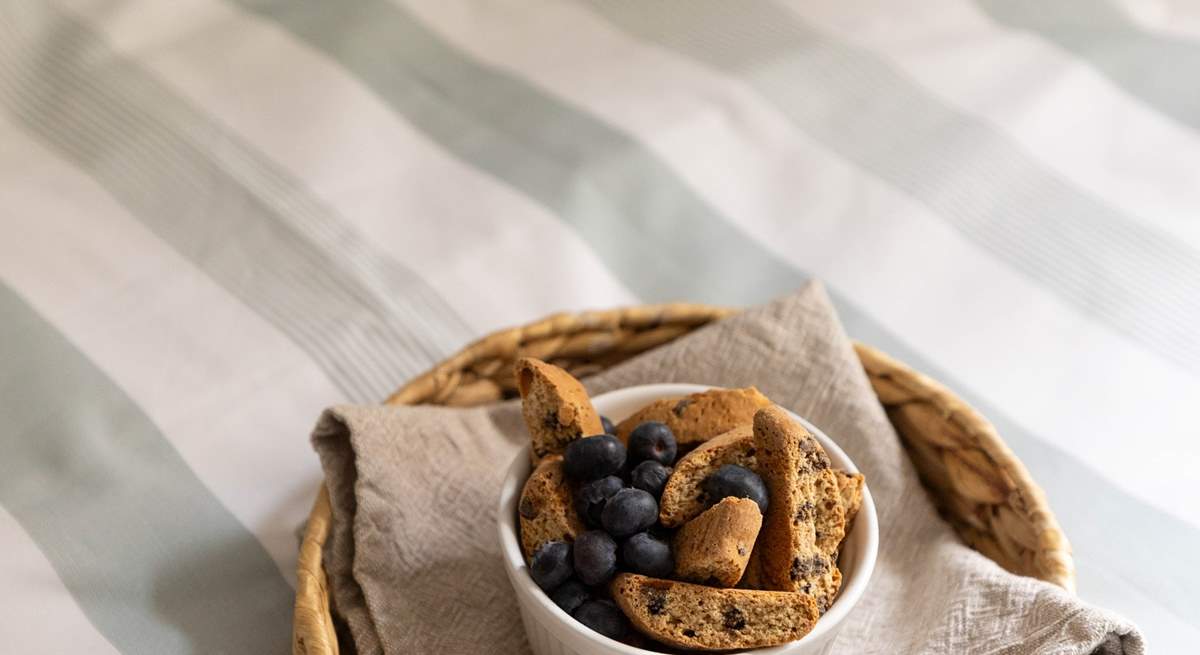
414 562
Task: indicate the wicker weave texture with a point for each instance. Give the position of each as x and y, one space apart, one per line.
978 484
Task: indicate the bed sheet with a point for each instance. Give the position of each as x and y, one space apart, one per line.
220 217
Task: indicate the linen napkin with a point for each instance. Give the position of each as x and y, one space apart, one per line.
414 562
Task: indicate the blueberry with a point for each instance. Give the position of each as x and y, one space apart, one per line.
734 480
609 428
570 595
652 440
644 554
595 457
650 476
592 496
603 617
595 557
628 512
551 565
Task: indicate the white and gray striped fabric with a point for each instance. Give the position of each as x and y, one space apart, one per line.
219 217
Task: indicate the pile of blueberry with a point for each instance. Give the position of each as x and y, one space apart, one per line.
617 493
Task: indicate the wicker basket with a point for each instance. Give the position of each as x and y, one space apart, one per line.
979 485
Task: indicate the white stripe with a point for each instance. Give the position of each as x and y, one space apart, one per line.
1076 382
1170 18
233 395
487 249
1064 112
39 615
1165 629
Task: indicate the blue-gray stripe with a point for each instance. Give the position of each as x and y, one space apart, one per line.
659 238
366 320
154 560
1108 265
1159 69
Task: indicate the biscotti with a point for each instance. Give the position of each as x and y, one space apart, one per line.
829 517
850 488
793 465
556 407
698 417
683 498
713 548
705 618
546 512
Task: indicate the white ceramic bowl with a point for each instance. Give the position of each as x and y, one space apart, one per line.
553 632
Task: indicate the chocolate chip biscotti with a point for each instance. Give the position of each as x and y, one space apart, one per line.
706 618
714 548
850 489
546 512
795 468
828 514
698 417
556 407
683 498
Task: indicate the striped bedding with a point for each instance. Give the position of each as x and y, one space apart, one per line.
221 216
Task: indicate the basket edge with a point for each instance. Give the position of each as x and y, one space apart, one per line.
1053 547
312 623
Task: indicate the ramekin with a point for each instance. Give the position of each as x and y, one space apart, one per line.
552 631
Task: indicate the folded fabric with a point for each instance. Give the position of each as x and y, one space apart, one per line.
414 563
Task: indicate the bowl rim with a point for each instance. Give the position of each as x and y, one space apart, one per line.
852 589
